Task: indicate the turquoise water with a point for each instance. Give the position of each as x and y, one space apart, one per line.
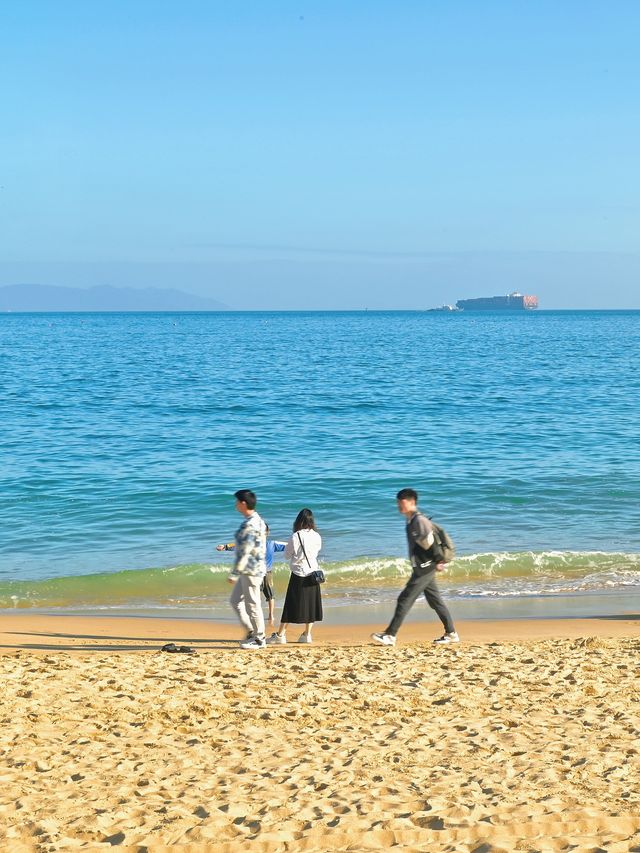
124 437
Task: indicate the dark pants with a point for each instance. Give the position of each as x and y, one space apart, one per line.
267 587
421 581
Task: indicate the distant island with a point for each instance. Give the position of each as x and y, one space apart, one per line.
44 297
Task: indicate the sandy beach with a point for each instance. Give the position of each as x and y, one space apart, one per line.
525 737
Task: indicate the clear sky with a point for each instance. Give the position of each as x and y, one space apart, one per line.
324 154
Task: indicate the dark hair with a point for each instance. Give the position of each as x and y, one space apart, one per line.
246 496
407 495
304 521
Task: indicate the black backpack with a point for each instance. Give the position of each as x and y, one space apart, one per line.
443 549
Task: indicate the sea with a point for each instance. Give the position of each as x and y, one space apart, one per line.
124 436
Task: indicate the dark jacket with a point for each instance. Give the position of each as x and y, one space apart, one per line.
419 540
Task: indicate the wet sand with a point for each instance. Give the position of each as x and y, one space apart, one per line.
524 737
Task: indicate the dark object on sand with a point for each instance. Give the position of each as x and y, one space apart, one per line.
171 647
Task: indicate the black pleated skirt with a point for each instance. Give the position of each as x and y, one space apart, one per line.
303 602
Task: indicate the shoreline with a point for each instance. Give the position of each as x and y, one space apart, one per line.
45 632
591 604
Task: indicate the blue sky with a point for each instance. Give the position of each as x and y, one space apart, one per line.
324 155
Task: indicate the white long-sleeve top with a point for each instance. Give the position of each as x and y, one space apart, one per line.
312 543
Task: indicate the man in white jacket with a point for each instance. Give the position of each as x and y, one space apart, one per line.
249 569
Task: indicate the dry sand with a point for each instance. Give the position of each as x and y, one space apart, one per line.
524 737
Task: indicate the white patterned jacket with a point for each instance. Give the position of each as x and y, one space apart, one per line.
251 547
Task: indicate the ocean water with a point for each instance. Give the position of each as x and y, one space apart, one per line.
124 436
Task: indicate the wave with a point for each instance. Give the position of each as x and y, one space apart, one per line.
473 575
505 574
497 564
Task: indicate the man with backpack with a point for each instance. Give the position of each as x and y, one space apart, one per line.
427 554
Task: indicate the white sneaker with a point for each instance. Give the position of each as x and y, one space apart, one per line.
304 638
277 639
448 638
253 643
384 639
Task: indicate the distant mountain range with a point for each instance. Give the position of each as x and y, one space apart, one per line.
43 297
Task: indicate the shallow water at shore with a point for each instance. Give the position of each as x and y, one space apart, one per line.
379 609
512 584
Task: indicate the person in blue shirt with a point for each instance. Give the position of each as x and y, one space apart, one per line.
267 583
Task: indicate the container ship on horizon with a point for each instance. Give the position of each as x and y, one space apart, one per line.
512 302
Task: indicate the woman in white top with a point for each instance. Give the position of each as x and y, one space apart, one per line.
303 602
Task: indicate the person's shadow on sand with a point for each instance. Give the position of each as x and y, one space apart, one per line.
118 644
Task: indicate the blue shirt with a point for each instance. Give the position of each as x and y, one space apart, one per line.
272 547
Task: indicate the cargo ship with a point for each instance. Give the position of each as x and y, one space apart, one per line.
512 302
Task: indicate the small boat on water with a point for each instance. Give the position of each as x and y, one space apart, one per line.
445 308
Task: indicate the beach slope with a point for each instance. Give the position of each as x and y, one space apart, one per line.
503 743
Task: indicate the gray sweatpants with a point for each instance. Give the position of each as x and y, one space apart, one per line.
421 581
245 600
